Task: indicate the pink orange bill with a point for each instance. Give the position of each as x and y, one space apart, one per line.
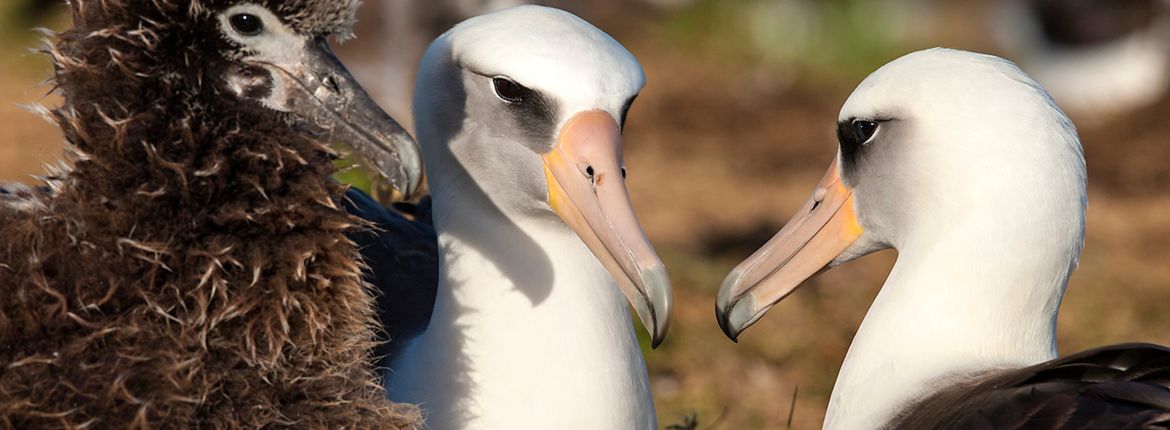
587 190
819 232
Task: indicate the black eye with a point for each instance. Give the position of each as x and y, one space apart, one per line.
508 90
864 130
246 24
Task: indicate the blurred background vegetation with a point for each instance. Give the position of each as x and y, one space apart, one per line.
729 137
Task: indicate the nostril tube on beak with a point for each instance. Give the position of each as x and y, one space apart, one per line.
818 198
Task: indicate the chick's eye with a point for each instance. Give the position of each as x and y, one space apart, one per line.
864 130
246 24
508 90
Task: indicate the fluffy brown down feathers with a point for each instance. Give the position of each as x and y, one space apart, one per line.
190 270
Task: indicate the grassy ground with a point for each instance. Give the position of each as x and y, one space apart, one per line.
722 146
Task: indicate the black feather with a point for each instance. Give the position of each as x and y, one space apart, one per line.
402 264
1104 388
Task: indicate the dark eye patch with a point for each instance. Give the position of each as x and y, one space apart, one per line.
853 134
533 112
246 24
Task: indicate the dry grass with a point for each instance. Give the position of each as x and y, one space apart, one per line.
719 156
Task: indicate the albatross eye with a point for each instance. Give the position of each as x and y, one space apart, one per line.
508 90
864 130
246 24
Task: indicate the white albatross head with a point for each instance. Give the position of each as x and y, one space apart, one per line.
934 146
530 102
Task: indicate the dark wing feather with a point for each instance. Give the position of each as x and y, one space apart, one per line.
1115 387
403 266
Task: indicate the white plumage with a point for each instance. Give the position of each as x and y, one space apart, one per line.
529 329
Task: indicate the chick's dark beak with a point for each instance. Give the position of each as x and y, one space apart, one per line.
321 91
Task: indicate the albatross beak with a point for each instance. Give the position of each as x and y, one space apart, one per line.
320 90
587 189
823 229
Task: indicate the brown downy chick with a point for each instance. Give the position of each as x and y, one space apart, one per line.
190 269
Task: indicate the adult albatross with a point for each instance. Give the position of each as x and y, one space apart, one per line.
963 164
519 115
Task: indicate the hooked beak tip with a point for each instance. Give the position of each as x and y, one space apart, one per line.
414 179
721 314
322 92
724 302
657 341
734 314
658 290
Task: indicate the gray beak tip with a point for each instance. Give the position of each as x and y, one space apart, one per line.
661 299
721 315
725 302
322 91
410 170
736 316
406 179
